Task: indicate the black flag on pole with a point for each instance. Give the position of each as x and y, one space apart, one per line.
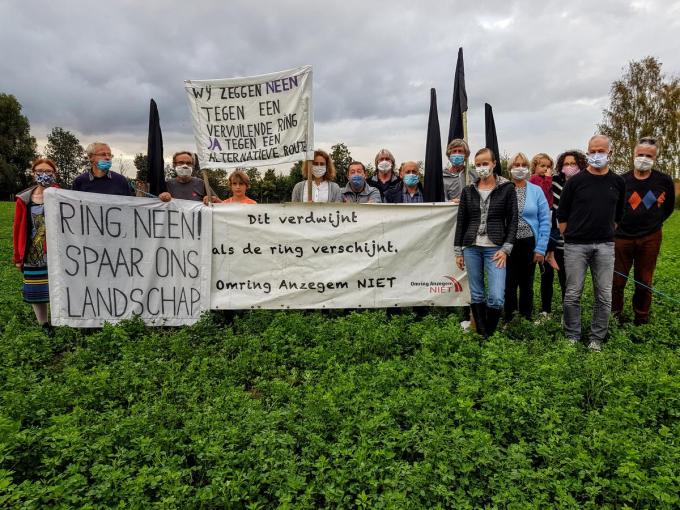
459 105
154 153
491 138
434 181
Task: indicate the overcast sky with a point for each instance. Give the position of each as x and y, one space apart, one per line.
545 66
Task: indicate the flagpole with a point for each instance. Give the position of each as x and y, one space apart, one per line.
465 137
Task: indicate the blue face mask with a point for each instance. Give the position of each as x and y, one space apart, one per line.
411 180
104 165
357 181
457 159
598 159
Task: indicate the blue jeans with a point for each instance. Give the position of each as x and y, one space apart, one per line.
477 262
577 258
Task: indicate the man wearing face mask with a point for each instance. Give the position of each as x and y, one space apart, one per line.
100 178
650 198
184 186
385 179
357 189
411 192
454 177
590 207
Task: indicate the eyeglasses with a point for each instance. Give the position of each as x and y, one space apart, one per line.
103 154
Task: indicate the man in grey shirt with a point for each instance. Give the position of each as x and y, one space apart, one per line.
184 186
457 151
357 189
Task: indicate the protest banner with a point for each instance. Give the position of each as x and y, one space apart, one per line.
112 257
335 256
265 119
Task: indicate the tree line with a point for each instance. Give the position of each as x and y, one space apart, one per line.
644 102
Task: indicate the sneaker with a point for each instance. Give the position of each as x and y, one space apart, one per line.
465 325
595 345
572 341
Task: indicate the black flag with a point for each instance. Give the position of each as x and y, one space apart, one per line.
154 153
491 138
434 182
459 105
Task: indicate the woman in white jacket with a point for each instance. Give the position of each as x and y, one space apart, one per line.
321 187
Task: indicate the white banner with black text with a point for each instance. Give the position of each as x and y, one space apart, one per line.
111 258
335 256
259 120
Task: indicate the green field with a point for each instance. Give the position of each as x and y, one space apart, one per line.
304 410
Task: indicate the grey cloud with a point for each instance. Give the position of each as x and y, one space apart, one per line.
92 68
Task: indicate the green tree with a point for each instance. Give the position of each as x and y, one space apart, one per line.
142 165
341 159
644 103
63 147
17 147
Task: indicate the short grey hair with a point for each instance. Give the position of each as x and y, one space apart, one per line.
609 140
649 141
458 142
89 150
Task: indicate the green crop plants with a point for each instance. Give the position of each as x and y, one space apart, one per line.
341 410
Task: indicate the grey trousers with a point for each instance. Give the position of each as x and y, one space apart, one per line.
577 258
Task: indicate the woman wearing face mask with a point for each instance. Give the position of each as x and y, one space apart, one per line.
485 233
29 239
385 179
323 188
533 231
568 164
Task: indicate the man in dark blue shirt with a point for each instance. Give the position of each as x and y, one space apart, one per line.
99 178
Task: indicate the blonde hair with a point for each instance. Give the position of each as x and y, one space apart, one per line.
330 166
520 155
537 159
385 152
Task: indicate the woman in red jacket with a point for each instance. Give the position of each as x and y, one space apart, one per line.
30 248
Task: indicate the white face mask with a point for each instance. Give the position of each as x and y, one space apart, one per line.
519 172
318 170
384 166
183 170
643 163
483 171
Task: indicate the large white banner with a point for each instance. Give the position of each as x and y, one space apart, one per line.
335 256
266 119
112 257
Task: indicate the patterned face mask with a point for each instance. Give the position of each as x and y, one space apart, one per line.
44 179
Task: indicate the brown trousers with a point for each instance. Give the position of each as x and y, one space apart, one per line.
641 252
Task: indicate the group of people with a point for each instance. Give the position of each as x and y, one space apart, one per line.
565 217
576 216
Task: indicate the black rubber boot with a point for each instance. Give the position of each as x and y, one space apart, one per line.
493 315
479 314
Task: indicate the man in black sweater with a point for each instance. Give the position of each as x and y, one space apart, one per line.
650 198
590 207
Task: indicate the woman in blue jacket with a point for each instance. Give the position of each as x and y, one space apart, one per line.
533 232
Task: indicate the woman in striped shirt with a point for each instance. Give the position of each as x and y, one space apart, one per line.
568 164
